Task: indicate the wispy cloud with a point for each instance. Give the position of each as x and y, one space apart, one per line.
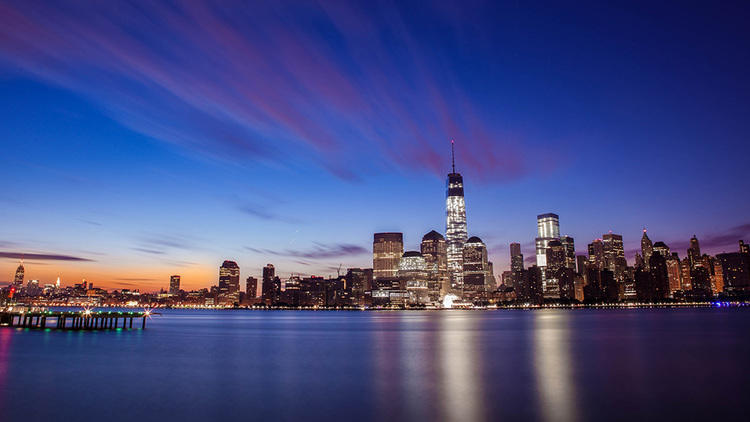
42 257
318 251
266 214
350 89
150 251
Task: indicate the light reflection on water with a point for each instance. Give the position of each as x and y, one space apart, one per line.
459 361
553 365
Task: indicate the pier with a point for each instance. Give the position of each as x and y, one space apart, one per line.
72 320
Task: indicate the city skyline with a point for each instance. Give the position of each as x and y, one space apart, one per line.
126 160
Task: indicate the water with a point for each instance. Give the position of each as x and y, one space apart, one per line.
554 365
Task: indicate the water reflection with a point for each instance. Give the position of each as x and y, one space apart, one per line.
553 365
417 365
460 360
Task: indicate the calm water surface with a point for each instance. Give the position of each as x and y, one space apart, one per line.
555 365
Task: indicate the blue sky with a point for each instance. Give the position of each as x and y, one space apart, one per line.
149 139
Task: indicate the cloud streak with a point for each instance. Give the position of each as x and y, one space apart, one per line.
42 257
350 90
318 251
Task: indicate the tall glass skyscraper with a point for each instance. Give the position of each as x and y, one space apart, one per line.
18 278
548 228
387 249
455 225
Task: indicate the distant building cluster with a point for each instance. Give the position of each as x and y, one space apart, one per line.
453 270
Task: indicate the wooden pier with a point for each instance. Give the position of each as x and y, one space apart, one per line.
72 320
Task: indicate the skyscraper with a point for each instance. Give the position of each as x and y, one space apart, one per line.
614 254
596 254
229 277
474 267
516 257
251 287
673 271
229 282
569 246
435 253
174 284
735 268
662 248
387 249
270 293
548 228
455 224
412 271
18 279
694 251
647 248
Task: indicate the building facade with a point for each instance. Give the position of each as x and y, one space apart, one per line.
387 249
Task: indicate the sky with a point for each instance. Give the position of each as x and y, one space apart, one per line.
144 139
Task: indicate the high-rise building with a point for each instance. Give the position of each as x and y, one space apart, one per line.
516 257
660 276
694 251
548 228
412 271
581 263
685 274
174 284
614 254
251 287
673 271
269 291
647 248
490 283
717 278
229 277
18 279
556 261
455 225
475 267
662 248
735 268
570 251
387 249
435 253
744 247
556 257
596 254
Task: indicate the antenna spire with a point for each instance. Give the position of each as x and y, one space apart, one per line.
453 157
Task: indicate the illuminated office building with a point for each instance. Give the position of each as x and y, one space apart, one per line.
662 248
474 268
174 284
647 248
229 277
412 271
251 287
435 253
694 252
455 225
596 254
614 254
516 257
387 249
673 271
18 279
271 287
570 251
548 228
